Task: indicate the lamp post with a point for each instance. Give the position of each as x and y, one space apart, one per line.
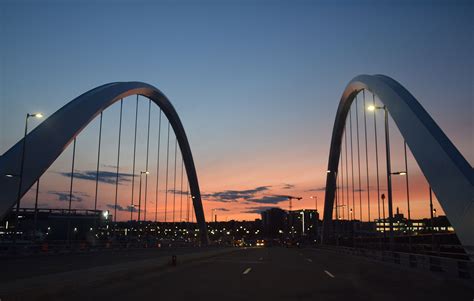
140 193
432 220
302 222
213 212
405 173
389 173
22 163
315 201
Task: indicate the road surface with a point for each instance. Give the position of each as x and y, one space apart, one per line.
270 274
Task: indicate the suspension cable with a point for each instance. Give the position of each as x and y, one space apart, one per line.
377 166
118 161
352 167
347 173
174 181
70 193
98 162
181 191
167 170
158 168
337 198
36 203
187 200
134 159
358 158
342 184
408 187
192 207
366 158
146 162
72 173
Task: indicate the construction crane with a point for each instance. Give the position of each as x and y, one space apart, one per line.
291 198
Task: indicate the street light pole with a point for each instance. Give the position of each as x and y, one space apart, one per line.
36 207
22 163
140 193
315 201
389 173
389 180
431 220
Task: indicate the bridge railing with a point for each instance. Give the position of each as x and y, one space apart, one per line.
452 267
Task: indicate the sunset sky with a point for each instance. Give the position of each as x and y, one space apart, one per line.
256 85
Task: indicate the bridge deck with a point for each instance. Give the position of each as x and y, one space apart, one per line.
248 274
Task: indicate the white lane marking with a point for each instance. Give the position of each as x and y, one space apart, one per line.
235 261
329 274
309 260
247 271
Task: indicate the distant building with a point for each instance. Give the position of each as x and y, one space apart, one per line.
403 225
304 222
53 224
280 223
274 222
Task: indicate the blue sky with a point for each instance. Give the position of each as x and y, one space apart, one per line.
256 83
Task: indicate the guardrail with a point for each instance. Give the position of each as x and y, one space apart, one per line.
28 248
463 269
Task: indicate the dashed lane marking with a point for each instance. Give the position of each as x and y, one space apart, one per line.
329 274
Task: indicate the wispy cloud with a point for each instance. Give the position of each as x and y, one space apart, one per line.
235 195
107 177
317 189
288 186
222 209
109 166
63 196
177 191
120 208
257 210
269 199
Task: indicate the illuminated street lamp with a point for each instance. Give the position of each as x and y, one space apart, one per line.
22 163
399 173
140 193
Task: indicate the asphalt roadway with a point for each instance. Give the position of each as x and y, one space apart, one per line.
269 274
